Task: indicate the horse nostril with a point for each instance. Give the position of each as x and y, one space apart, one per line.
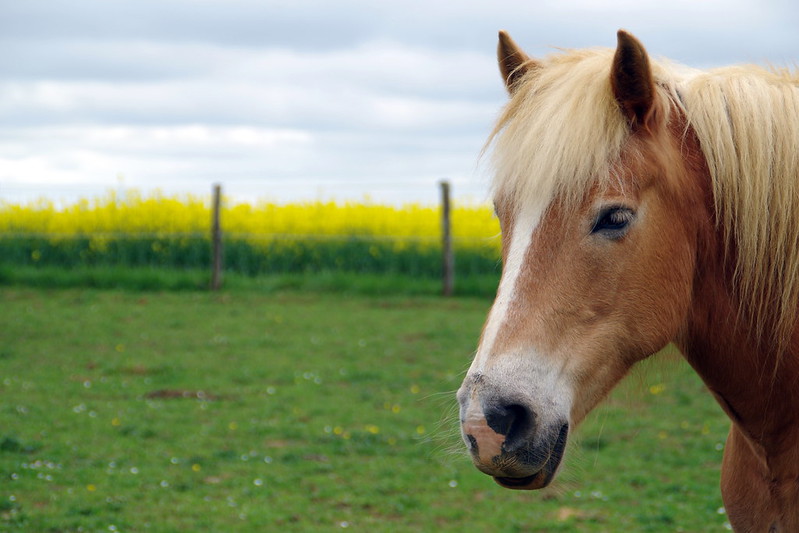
501 418
516 422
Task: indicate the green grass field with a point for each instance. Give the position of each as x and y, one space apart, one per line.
174 279
274 410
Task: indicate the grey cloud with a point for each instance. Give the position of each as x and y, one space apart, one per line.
179 92
233 22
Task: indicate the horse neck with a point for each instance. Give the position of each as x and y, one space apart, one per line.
756 384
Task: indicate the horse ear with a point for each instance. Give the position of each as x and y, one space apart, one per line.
632 80
513 62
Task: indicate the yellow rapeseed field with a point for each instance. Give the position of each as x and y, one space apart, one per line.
133 213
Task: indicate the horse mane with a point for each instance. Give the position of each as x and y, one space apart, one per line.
747 122
562 132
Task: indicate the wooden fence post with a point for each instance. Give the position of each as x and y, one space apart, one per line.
448 258
216 240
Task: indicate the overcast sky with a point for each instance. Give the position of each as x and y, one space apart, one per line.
305 99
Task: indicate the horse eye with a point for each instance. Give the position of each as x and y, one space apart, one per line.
613 221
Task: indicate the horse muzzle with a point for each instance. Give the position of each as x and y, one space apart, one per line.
508 440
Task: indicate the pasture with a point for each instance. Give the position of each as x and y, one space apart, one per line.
309 411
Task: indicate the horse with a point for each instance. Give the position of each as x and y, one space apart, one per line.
642 203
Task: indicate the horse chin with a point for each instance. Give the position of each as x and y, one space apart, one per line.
537 481
545 475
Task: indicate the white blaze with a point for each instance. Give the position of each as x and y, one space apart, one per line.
524 226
